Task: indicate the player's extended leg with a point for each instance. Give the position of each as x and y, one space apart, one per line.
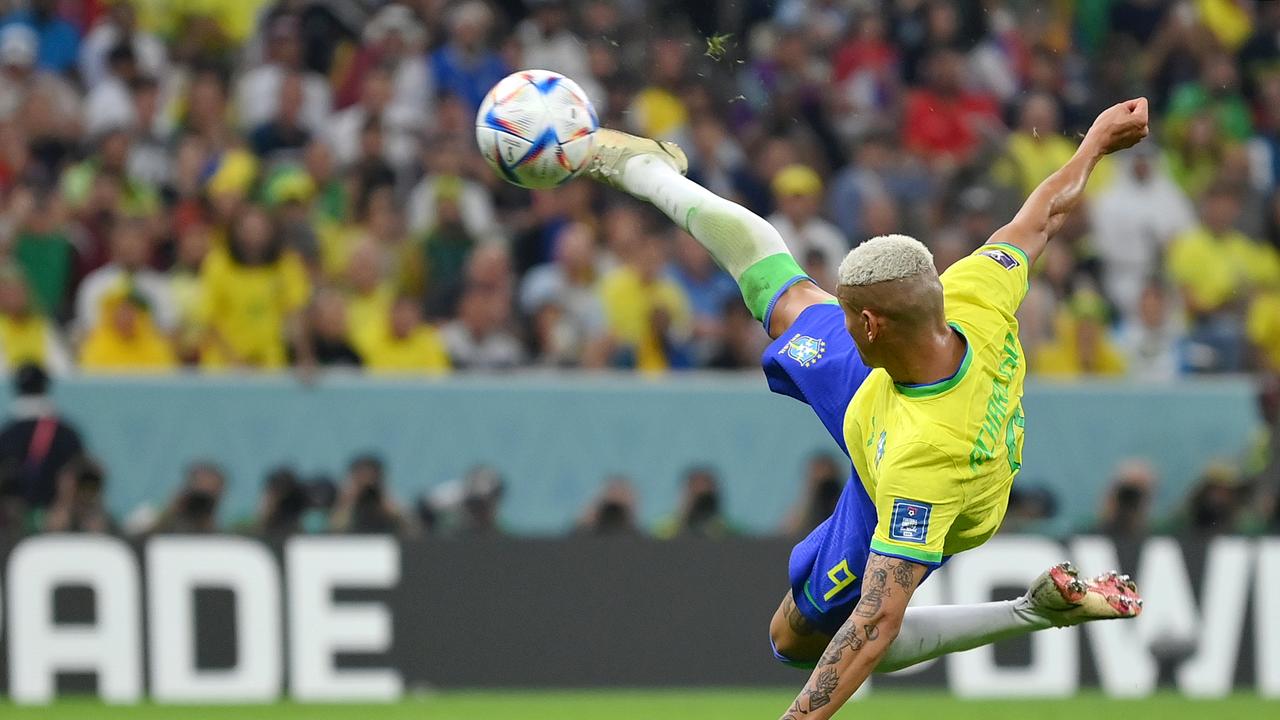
1058 598
773 285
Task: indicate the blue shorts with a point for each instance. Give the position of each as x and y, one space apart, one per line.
817 363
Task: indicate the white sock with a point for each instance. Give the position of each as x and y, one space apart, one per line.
736 237
930 632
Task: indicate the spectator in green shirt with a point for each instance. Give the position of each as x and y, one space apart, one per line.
42 247
137 198
1216 92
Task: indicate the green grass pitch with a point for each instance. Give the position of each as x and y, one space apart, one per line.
677 705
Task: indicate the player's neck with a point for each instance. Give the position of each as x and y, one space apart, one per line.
931 357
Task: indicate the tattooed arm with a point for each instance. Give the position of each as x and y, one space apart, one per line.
858 647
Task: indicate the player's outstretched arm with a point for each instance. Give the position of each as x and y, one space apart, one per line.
862 641
1118 127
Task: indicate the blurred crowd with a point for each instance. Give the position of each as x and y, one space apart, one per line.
50 482
265 184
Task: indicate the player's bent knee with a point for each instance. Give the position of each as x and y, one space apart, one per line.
791 648
793 301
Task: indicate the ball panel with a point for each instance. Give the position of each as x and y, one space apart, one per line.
535 128
524 114
578 152
540 168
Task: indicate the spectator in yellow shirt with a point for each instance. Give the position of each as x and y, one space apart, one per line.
1080 346
657 110
1263 327
27 336
1217 265
125 337
1218 269
646 314
252 295
405 344
231 22
369 295
1036 148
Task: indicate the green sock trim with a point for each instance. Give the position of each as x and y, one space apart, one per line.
762 280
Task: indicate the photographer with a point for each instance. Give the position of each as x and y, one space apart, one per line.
700 513
78 505
291 505
613 512
1126 506
195 508
823 483
284 502
363 505
36 442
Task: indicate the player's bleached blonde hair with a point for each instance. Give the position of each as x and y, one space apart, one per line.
884 258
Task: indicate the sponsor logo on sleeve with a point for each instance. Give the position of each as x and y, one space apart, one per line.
1005 259
910 521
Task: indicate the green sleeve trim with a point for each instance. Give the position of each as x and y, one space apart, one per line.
937 388
1013 249
1022 255
909 553
763 280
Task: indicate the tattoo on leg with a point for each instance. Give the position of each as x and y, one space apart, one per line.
798 623
826 684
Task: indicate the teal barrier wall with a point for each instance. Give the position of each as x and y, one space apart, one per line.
556 437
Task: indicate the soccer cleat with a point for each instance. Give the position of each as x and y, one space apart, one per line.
613 148
1062 598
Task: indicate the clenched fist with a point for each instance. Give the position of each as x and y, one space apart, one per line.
1119 126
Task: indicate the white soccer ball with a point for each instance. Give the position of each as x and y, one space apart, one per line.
536 128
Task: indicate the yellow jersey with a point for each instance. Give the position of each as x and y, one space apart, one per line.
422 352
1263 327
248 305
629 304
938 460
1216 270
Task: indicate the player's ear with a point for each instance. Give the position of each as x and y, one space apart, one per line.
870 325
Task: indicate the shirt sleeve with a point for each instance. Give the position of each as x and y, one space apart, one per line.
996 276
918 498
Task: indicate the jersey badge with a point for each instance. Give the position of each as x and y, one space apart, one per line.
910 521
1007 261
806 350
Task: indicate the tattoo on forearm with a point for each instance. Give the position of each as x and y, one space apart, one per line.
904 575
846 638
853 635
826 684
873 591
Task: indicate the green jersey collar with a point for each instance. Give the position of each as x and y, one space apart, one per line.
937 388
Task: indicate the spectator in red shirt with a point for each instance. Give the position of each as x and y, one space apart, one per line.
943 122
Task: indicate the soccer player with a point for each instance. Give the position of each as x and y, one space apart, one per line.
919 379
